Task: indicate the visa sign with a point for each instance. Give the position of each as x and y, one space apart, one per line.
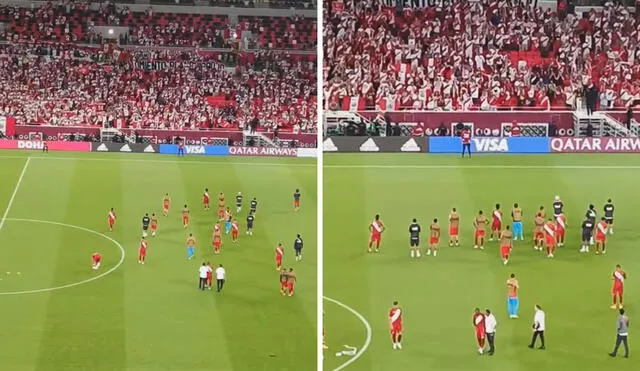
490 145
194 150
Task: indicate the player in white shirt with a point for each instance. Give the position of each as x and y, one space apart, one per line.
202 274
538 327
221 276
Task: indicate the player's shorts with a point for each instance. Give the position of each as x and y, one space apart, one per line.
185 219
586 236
283 285
153 227
165 207
396 329
617 290
249 225
374 238
433 241
142 252
599 238
216 244
538 236
453 231
479 234
608 220
205 201
560 232
414 242
296 203
298 251
234 232
279 260
145 227
111 221
504 251
480 333
549 241
290 286
496 226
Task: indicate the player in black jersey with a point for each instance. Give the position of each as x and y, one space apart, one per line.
414 238
587 234
253 205
608 215
250 219
145 224
591 215
298 244
296 200
557 206
238 203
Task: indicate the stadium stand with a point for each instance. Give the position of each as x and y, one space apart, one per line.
82 64
479 55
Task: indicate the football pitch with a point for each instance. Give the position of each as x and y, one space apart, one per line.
439 294
59 314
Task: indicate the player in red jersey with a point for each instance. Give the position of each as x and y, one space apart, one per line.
618 285
111 219
375 228
220 206
166 202
217 239
291 279
561 227
209 278
206 199
479 225
465 137
434 238
395 325
478 324
550 237
506 238
454 227
279 254
185 216
95 260
154 225
235 228
600 236
496 223
538 232
284 278
142 251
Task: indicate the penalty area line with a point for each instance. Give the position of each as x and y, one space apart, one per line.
367 327
15 191
484 167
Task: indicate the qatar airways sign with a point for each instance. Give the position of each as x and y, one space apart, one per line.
418 3
595 145
263 151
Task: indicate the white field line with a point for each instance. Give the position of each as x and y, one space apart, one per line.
88 280
15 191
367 327
151 161
484 167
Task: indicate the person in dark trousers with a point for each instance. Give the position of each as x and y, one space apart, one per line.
297 247
628 118
490 324
221 276
538 327
465 137
45 147
591 96
202 274
622 332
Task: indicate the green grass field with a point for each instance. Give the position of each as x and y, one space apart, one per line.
439 294
151 317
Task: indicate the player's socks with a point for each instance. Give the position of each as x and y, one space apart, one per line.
413 254
418 253
475 246
399 345
435 252
428 251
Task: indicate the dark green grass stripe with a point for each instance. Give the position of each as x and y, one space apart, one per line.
84 326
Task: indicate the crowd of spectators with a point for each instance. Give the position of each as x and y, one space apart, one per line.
490 54
55 70
75 86
74 21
